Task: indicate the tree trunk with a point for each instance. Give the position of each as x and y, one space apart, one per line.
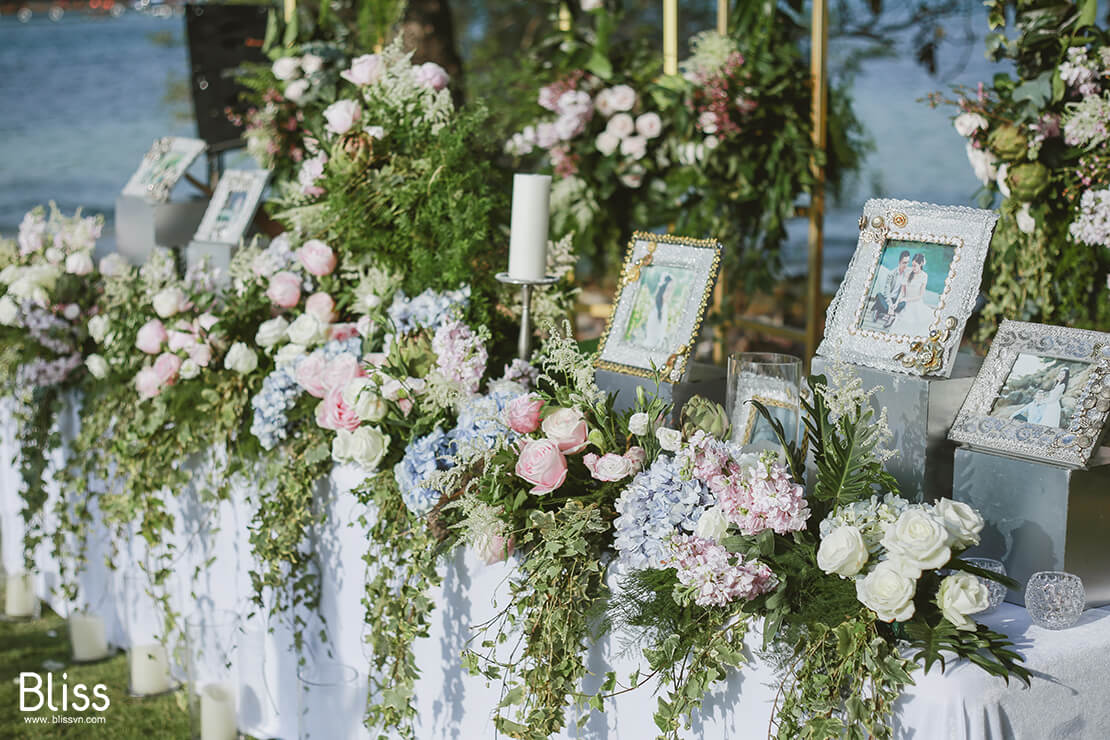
429 30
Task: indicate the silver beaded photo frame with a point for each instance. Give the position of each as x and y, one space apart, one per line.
162 166
910 287
1043 393
232 207
662 296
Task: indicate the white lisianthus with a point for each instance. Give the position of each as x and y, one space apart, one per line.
669 439
712 524
919 539
887 592
271 332
1025 220
168 302
621 125
306 330
9 311
361 395
968 123
842 552
97 365
98 327
189 369
241 359
983 163
286 68
959 595
963 522
607 142
79 264
288 354
639 423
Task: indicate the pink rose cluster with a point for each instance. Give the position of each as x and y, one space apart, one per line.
460 355
714 575
325 379
187 342
542 462
613 467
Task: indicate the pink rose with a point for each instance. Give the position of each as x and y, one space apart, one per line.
317 257
566 428
284 289
147 383
342 370
179 340
322 306
365 70
206 321
334 414
493 549
151 336
637 456
608 467
522 415
311 375
542 464
342 332
200 353
432 75
166 367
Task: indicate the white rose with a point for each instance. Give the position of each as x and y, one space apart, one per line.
311 63
621 125
271 332
168 302
968 123
368 446
634 147
959 595
97 365
638 424
963 522
79 264
622 97
982 163
296 91
306 330
842 552
669 439
712 524
1000 180
189 369
919 538
9 311
98 327
361 395
288 354
649 125
54 255
341 446
1025 220
887 592
341 116
114 265
286 68
607 143
241 359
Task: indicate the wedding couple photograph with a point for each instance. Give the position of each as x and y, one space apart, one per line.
906 290
1042 390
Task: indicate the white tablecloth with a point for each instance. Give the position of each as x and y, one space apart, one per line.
1069 697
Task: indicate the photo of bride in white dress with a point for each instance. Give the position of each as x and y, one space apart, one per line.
906 290
1042 390
658 307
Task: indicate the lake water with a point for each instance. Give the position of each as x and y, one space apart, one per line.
82 100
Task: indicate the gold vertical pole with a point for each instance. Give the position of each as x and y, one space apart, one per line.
670 37
719 346
290 9
564 18
819 69
722 17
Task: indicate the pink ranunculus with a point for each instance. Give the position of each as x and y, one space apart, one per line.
166 367
322 306
342 332
493 549
200 353
567 429
432 75
522 415
542 464
147 384
284 289
179 340
609 467
365 70
151 337
318 258
311 375
333 413
342 370
637 456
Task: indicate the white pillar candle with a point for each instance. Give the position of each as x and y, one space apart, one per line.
528 240
217 713
19 596
87 636
150 669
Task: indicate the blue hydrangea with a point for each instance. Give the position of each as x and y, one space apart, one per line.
424 456
480 419
657 504
428 310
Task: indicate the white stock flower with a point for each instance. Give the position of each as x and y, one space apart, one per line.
271 332
286 68
887 592
963 522
306 330
97 365
54 255
98 327
919 539
79 264
959 595
114 265
241 359
639 423
968 123
712 524
842 552
168 302
669 439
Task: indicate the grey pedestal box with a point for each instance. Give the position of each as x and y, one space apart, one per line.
1041 516
142 225
704 380
218 255
920 411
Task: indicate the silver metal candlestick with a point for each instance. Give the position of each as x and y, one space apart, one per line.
524 343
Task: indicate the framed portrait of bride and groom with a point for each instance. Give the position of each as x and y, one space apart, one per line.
910 287
1043 393
664 290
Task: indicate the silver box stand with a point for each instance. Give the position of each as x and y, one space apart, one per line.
218 255
1041 516
920 411
142 225
704 380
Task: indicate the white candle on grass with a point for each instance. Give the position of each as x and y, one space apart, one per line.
87 636
528 240
150 669
19 596
218 719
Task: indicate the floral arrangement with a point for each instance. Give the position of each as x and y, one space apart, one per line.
1036 138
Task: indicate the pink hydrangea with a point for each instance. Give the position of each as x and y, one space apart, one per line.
460 355
715 576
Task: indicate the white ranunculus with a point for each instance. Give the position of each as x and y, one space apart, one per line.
9 311
296 91
361 395
842 552
286 68
959 595
342 116
634 147
649 125
712 524
288 354
919 538
114 265
98 327
1025 220
983 163
306 330
367 447
621 125
622 98
639 423
271 332
887 592
311 63
168 302
963 522
79 264
241 359
1000 179
97 365
189 369
607 142
968 123
669 439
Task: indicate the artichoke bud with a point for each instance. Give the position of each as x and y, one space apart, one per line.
1008 142
709 417
1027 180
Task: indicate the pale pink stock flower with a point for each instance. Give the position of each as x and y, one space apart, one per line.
151 337
542 464
284 289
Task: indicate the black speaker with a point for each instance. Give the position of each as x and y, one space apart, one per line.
221 38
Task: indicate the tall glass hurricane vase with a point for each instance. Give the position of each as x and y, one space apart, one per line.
774 380
210 639
331 701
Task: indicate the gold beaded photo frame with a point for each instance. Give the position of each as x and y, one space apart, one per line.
162 166
664 290
910 287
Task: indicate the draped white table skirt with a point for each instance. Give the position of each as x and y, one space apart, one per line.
1069 697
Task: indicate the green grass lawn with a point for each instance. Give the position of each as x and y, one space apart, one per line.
25 646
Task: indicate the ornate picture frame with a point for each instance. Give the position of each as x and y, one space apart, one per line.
1043 393
162 166
910 287
232 207
661 299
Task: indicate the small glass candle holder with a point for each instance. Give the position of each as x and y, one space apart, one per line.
213 702
20 600
331 700
996 590
1055 599
147 656
775 380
